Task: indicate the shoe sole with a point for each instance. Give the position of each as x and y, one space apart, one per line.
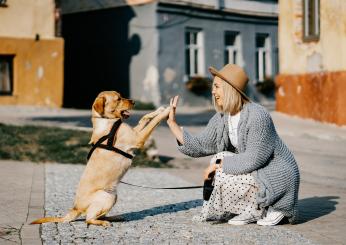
275 222
242 222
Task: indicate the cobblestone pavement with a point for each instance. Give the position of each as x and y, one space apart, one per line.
148 216
165 216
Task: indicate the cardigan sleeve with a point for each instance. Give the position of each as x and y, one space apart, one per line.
259 148
202 144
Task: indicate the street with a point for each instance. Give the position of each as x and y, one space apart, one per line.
162 217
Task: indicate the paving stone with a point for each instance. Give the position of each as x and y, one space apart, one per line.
148 216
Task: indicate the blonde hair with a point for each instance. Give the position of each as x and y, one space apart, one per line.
233 101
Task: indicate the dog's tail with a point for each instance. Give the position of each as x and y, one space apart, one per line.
70 216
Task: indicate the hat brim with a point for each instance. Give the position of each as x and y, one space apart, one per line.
215 72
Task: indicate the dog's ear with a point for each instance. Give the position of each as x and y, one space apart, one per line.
99 105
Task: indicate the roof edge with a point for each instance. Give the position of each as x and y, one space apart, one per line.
226 10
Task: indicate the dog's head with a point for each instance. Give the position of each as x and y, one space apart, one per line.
110 104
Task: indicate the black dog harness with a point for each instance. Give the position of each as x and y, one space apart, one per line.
110 147
110 142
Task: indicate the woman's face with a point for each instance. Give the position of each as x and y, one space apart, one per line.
217 91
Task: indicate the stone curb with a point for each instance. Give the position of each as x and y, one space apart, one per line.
30 234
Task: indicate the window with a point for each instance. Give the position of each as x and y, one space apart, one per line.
263 57
3 3
311 20
233 48
194 57
6 84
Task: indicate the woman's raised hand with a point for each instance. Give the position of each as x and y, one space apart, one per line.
174 127
173 104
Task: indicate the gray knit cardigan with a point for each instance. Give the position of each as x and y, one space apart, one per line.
259 148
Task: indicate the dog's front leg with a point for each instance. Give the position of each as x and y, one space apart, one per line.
144 134
147 117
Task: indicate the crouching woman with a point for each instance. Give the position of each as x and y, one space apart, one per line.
258 178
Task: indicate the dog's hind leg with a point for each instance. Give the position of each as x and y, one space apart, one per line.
70 216
101 204
93 213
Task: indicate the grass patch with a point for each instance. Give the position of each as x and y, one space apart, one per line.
49 144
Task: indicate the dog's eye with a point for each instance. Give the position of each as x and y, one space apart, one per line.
119 99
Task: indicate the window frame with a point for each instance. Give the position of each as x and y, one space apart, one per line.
307 37
10 60
236 48
3 3
266 52
191 48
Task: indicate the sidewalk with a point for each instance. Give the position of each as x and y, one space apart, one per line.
319 149
143 216
21 201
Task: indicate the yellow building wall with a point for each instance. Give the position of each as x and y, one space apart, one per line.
312 79
26 18
328 54
37 64
37 71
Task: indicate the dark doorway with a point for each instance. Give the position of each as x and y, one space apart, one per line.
97 54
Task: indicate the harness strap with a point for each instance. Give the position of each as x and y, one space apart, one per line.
110 142
117 150
111 135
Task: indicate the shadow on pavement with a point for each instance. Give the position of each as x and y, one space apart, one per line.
314 207
80 121
165 159
195 119
170 208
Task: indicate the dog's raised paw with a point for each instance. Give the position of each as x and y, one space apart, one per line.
165 112
161 108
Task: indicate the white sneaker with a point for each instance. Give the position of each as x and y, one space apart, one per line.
272 218
243 219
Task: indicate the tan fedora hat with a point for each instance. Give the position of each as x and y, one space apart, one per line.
233 75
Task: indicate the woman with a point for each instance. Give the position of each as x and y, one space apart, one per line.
258 178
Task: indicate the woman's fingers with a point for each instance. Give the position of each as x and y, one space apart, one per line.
206 174
175 101
208 170
173 104
171 115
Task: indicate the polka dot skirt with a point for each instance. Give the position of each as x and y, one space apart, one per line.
232 195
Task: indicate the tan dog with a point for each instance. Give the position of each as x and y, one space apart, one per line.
96 193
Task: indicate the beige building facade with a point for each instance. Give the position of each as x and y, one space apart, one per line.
31 57
312 74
